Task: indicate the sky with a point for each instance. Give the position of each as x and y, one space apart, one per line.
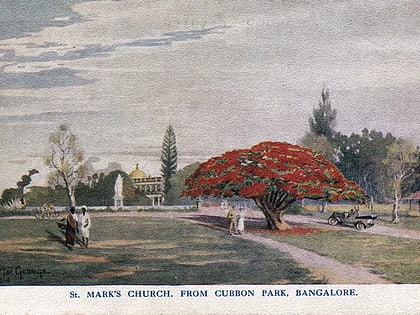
225 74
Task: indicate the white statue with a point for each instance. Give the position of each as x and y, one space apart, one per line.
118 188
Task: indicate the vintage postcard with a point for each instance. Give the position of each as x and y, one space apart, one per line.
209 157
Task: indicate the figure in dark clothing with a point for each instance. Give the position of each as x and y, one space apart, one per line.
71 228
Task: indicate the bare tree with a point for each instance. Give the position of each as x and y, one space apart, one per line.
401 163
66 159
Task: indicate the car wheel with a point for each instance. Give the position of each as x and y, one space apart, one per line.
360 225
332 221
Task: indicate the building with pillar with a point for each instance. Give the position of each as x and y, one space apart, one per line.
151 186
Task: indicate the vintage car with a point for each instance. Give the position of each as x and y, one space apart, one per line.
352 217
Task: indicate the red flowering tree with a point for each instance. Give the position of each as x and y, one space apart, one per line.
274 175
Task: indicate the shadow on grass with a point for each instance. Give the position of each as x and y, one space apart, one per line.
58 239
223 223
210 220
55 238
256 225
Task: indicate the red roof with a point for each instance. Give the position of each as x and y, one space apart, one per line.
414 196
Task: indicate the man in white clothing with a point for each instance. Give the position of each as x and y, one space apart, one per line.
85 225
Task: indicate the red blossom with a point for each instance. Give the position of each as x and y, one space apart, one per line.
292 168
254 190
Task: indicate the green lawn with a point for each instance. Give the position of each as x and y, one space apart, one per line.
397 259
406 222
134 250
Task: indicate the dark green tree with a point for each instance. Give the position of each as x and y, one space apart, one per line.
99 191
10 195
16 197
174 195
26 180
168 158
323 120
38 195
319 137
359 158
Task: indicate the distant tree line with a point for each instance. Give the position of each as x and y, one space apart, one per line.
385 166
73 181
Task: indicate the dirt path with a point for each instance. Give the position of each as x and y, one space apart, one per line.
321 267
376 229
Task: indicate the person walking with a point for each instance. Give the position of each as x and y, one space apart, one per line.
231 215
241 221
71 228
85 224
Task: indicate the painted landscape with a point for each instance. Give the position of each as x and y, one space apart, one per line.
223 142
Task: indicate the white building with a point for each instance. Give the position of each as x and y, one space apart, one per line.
152 187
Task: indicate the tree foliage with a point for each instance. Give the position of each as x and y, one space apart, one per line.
274 175
401 163
16 196
174 195
168 157
320 144
67 161
323 120
26 179
38 195
99 191
359 158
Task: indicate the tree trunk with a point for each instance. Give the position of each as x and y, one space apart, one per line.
71 197
395 206
324 207
275 220
274 217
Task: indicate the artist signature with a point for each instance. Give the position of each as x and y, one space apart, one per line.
9 274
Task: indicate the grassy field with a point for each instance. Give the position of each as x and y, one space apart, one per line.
395 259
140 250
134 250
406 222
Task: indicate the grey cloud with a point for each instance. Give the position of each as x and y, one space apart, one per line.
194 34
68 77
45 45
46 116
46 56
41 79
100 51
18 18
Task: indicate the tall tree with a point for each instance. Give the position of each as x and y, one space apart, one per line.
323 120
401 163
168 158
26 180
66 159
274 175
359 158
16 197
